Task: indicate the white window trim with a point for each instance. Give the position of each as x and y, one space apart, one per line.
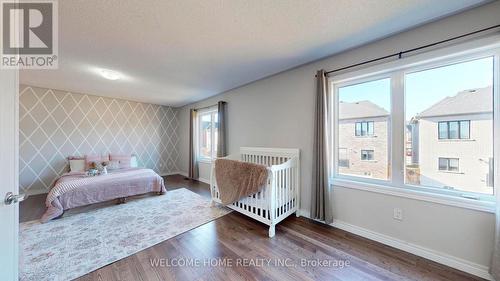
206 160
396 70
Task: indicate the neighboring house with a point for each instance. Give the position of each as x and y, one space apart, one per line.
454 139
363 131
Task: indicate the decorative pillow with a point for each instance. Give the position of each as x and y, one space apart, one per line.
93 158
123 160
133 162
113 165
77 165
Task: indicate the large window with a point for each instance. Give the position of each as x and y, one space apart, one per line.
207 134
432 125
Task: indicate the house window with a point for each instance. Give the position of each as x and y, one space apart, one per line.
343 158
454 129
364 128
207 134
416 105
448 164
367 155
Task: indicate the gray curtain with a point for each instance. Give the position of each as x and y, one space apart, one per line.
321 207
222 135
193 161
495 260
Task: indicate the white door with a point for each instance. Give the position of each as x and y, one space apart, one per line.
9 213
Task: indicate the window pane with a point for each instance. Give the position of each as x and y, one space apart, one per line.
453 165
358 129
370 128
453 130
364 128
443 164
443 130
464 129
205 138
365 108
343 158
455 102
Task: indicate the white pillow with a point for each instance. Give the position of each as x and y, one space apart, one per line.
77 165
133 162
113 165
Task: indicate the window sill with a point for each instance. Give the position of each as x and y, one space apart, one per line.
456 140
443 199
451 172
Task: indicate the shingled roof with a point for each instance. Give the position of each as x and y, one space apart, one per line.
465 102
361 109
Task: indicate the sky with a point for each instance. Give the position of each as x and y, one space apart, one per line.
425 88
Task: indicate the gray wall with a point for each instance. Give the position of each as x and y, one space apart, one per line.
278 112
56 124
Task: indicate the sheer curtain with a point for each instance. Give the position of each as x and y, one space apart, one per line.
321 205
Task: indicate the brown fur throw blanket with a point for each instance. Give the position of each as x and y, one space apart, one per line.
237 179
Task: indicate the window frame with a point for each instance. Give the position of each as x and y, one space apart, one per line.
367 134
396 71
459 122
448 164
208 111
368 152
340 159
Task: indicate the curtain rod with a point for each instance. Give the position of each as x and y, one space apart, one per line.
400 54
208 106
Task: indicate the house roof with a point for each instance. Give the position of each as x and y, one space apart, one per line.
470 101
361 109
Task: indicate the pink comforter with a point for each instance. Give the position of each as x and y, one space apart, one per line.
75 189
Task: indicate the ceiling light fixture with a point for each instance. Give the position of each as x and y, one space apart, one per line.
110 74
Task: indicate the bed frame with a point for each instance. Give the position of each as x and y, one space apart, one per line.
281 195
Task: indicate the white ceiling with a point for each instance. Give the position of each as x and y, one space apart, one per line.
178 51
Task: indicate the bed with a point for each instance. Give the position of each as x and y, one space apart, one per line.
75 189
281 194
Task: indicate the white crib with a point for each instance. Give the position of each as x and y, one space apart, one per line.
280 197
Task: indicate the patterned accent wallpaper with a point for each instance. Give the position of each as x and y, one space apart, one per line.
55 124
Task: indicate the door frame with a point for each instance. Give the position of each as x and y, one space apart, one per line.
9 173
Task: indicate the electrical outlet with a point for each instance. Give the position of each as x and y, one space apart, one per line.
398 214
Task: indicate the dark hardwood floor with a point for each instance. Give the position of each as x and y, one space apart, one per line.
236 247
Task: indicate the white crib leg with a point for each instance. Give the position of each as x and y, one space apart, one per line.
212 203
272 231
297 214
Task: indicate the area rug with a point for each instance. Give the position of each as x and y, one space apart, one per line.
77 244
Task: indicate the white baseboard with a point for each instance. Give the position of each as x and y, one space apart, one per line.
207 181
439 257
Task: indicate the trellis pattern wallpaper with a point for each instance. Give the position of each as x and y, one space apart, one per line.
56 124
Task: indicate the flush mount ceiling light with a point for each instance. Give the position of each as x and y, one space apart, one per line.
110 74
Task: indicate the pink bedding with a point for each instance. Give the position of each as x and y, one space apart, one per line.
75 189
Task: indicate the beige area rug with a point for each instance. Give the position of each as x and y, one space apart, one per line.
77 244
